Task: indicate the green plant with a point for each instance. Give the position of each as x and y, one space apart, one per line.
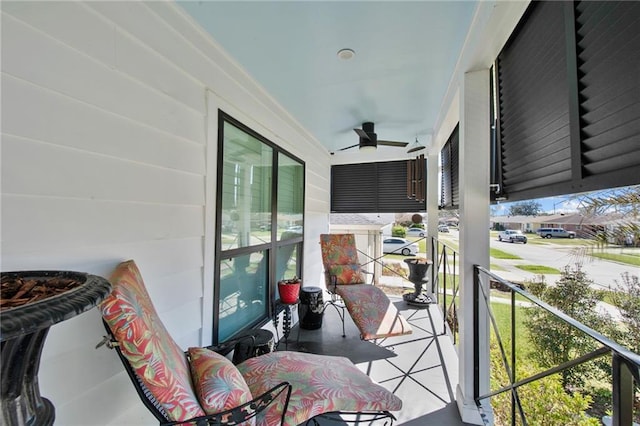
398 231
557 342
627 299
544 402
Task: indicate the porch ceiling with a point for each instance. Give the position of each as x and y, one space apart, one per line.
405 57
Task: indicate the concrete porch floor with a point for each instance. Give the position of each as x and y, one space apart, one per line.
421 368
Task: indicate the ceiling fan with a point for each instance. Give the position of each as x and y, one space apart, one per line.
369 139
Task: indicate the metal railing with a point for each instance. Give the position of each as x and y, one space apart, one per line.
625 364
445 278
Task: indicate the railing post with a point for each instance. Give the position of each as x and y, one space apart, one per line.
444 289
513 356
622 392
476 334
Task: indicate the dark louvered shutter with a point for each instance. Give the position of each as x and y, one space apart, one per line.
608 39
534 105
449 161
372 188
354 188
569 96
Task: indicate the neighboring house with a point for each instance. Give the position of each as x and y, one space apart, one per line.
522 223
583 226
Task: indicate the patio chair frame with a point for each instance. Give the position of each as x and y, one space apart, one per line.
132 301
234 416
244 412
389 322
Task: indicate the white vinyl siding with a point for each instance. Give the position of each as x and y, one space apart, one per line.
106 156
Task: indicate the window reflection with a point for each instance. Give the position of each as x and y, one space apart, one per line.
290 197
246 190
243 292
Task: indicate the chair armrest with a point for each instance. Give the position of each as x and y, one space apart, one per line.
246 411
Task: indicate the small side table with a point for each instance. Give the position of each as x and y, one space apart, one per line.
286 319
262 344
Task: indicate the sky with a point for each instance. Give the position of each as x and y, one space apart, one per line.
551 205
558 204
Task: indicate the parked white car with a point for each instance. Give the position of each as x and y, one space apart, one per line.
397 245
512 236
443 228
416 232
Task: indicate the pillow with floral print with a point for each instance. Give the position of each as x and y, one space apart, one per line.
217 382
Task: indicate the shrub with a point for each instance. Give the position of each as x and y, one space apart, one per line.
398 231
627 299
557 342
544 401
394 269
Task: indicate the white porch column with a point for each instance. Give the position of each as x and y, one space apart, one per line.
474 233
433 195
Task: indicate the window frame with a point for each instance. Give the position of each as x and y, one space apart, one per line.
270 248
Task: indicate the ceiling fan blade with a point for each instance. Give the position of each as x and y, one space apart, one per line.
347 147
362 133
393 143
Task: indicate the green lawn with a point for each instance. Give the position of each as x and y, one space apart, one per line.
630 259
535 239
538 269
502 314
499 254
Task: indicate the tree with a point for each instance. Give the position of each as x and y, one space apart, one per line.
525 208
557 342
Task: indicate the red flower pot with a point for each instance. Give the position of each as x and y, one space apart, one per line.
289 291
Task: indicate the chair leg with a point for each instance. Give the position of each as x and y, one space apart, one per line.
340 314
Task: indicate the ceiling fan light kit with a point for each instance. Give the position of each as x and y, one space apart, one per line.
415 147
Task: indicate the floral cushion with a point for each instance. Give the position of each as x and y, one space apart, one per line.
145 342
320 384
218 383
347 274
338 249
372 311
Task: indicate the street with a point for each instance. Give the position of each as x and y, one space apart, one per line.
603 273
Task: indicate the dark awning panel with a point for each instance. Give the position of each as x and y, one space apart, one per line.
569 100
372 188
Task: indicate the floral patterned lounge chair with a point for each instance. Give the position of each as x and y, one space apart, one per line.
369 307
203 387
